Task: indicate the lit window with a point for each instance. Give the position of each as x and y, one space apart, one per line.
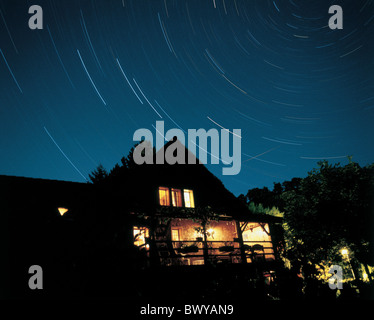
62 211
188 198
175 235
164 196
176 197
139 236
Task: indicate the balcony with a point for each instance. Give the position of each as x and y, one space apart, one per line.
214 252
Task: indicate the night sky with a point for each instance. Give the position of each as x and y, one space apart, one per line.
73 94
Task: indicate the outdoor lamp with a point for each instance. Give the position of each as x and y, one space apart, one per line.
62 211
210 232
344 252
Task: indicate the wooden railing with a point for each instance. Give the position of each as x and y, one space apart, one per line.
218 252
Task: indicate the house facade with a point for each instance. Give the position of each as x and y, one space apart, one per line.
194 220
177 235
150 218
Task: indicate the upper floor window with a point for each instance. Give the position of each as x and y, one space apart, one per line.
176 197
188 198
164 196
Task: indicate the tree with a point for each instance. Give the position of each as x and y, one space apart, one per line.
98 175
271 198
263 196
118 171
329 210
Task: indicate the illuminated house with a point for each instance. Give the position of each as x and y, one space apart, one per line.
143 218
193 219
181 240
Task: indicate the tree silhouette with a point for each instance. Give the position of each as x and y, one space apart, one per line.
98 175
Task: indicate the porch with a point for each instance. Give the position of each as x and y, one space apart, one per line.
185 242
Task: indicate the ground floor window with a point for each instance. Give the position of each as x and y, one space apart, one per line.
140 234
256 237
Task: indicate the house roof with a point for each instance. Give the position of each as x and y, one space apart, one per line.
131 190
208 189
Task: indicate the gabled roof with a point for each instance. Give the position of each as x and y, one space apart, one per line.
131 190
208 189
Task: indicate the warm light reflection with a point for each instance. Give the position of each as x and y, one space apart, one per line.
62 211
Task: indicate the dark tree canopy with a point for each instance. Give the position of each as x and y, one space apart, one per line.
330 209
98 175
271 198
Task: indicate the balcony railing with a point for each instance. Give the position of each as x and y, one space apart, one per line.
218 252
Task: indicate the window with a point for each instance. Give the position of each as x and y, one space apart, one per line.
188 198
175 235
164 196
62 211
140 233
176 197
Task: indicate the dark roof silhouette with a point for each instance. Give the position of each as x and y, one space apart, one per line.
130 190
141 183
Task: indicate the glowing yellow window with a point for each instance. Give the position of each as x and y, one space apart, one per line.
175 235
62 211
188 198
176 197
140 233
164 196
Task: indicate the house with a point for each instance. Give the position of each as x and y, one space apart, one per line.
195 220
150 219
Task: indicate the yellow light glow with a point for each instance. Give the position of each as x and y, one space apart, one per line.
62 211
188 198
344 252
176 197
164 196
140 233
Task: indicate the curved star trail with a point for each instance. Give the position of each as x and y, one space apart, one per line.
101 69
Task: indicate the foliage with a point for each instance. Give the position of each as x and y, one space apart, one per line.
259 209
326 211
127 163
271 198
330 210
98 175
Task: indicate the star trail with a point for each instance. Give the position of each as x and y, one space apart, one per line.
100 69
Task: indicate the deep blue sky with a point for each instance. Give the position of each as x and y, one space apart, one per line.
299 91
